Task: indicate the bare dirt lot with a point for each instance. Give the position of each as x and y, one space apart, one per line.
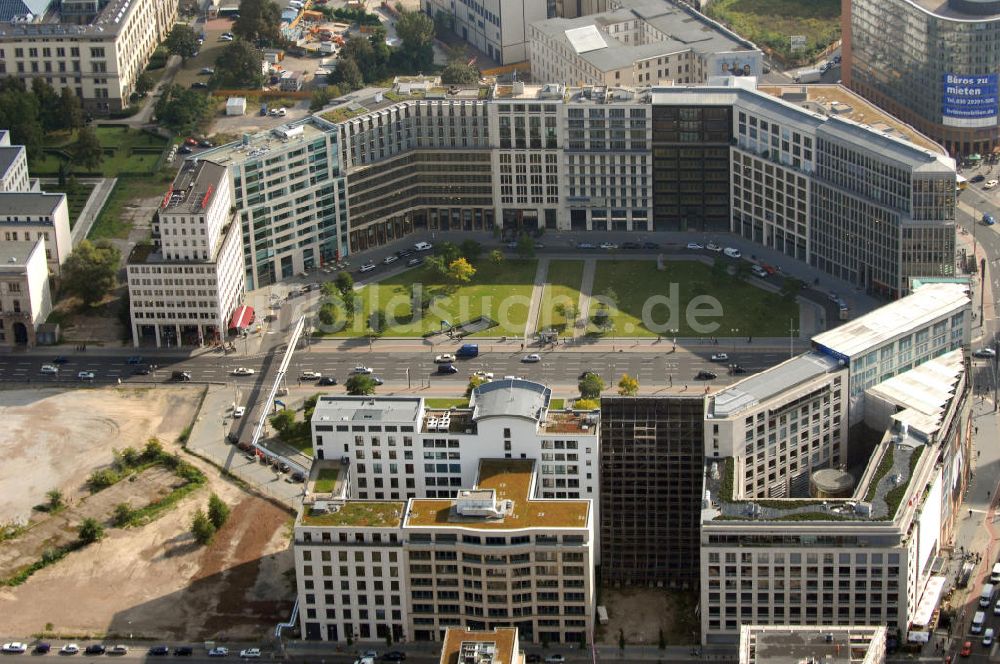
54 439
150 581
641 613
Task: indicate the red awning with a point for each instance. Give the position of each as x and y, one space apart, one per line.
241 319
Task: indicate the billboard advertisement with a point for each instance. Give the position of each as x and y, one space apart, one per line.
969 101
735 63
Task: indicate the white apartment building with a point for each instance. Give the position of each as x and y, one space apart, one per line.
498 28
865 559
399 448
934 319
794 644
494 556
13 165
781 425
290 198
28 216
96 48
468 646
184 289
641 42
25 300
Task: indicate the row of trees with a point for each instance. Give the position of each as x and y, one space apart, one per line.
238 66
205 524
29 114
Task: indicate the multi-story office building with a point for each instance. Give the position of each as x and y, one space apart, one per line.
498 28
494 556
940 75
467 646
26 212
25 300
934 319
780 426
864 557
652 453
96 48
795 644
184 289
399 448
641 42
287 187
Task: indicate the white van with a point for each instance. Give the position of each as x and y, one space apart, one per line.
732 252
423 246
977 622
995 574
988 636
986 596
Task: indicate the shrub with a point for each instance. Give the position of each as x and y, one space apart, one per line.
202 528
218 511
102 479
91 531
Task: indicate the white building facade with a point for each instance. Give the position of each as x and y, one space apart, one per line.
28 216
184 290
498 28
25 299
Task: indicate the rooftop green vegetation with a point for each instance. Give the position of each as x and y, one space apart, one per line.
631 285
341 114
357 513
895 495
326 480
446 402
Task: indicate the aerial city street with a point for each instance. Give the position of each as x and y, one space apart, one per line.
500 333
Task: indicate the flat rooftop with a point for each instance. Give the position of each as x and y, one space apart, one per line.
513 480
356 513
839 101
19 204
924 393
519 398
252 146
14 255
770 383
928 303
108 21
8 155
504 639
194 186
365 410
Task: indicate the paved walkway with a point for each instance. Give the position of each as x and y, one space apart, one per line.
534 309
586 290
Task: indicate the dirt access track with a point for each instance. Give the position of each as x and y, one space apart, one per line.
152 581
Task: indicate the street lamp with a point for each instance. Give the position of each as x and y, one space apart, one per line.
673 333
735 331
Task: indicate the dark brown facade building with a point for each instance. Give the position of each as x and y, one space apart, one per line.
652 461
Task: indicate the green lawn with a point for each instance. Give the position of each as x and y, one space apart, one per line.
110 222
126 151
563 287
502 292
326 481
770 23
443 402
750 310
75 199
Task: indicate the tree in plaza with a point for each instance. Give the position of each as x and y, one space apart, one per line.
496 257
436 265
461 271
90 271
416 31
628 386
448 251
474 382
360 385
567 311
218 511
180 109
259 20
283 421
459 73
344 282
202 528
328 314
591 386
144 84
182 40
90 531
87 150
238 66
526 246
470 250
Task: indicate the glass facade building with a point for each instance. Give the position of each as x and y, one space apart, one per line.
939 70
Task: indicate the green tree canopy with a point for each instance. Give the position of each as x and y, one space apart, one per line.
459 73
218 511
86 150
202 528
525 246
348 74
180 109
239 66
20 114
360 385
70 110
591 386
416 30
259 20
344 282
182 40
144 84
628 386
90 271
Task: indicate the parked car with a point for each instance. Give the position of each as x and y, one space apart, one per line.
531 358
367 267
159 651
758 271
391 258
989 219
226 38
298 476
705 375
720 357
736 369
403 253
977 178
370 653
49 369
650 245
14 647
327 380
444 358
484 376
608 246
69 649
310 375
181 376
423 246
185 149
732 252
199 85
414 261
362 369
377 380
694 246
205 143
585 245
207 70
394 656
218 651
711 246
183 651
243 371
239 411
60 359
991 184
134 359
250 652
534 658
42 648
447 369
985 353
555 659
95 649
85 375
630 245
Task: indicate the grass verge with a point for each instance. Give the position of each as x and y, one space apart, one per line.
563 288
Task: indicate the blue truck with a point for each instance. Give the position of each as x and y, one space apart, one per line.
468 350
